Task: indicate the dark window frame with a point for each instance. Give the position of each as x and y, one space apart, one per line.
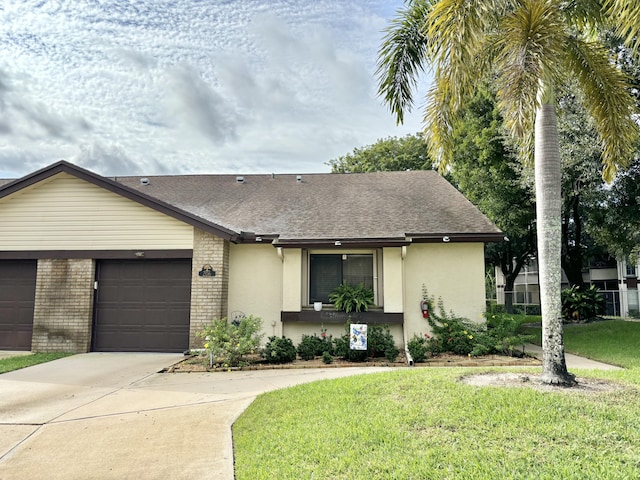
319 289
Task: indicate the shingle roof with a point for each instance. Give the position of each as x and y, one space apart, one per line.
382 205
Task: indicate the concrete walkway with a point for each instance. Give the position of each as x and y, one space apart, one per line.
573 361
112 416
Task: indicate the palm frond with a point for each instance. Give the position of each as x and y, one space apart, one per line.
530 40
608 100
456 33
439 119
402 58
625 16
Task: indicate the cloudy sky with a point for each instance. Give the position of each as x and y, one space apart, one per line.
190 86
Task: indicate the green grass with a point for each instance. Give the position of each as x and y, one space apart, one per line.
22 361
425 424
611 341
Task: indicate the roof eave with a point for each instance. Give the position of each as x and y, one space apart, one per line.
341 242
480 237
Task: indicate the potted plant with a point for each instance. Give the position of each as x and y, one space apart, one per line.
351 298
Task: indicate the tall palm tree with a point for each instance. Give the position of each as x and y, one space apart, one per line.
528 48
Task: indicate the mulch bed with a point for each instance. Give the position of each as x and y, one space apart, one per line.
197 363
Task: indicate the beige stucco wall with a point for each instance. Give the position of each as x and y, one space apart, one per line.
453 272
392 279
67 213
291 279
255 284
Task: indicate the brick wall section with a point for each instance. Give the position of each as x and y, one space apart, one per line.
209 295
63 310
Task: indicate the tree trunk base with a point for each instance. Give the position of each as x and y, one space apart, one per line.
559 380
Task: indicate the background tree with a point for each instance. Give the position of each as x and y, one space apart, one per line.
529 48
618 225
390 154
487 172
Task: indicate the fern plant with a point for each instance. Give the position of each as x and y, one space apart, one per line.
350 298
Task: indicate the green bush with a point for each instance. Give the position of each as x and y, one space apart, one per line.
457 335
350 298
228 342
579 304
279 350
452 334
502 336
342 350
313 345
327 358
380 343
418 347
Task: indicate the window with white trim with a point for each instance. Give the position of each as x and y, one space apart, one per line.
328 270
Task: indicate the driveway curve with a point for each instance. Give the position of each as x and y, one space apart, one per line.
113 415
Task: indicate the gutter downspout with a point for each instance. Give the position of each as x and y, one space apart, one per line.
403 254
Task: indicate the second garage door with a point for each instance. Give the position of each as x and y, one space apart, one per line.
142 306
17 296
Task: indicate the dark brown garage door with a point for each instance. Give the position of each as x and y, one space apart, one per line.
142 306
17 296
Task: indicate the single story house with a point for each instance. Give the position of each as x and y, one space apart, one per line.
90 263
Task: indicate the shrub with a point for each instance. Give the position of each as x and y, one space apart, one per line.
228 342
460 336
351 299
391 353
279 350
451 333
380 343
502 336
580 304
312 346
418 347
307 347
327 358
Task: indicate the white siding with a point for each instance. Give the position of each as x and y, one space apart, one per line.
66 213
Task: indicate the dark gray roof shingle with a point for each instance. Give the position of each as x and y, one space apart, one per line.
323 206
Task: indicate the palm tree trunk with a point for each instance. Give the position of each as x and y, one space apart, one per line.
548 213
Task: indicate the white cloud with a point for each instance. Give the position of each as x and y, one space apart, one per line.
188 86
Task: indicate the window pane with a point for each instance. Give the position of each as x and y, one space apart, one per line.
358 269
325 274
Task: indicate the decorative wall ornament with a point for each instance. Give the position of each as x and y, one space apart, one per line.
207 271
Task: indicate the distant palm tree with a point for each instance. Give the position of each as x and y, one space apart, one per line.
528 48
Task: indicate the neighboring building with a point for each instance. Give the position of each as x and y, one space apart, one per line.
617 280
141 263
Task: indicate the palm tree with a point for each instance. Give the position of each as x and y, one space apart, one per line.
528 49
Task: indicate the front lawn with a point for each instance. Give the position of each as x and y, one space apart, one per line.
610 341
23 361
425 424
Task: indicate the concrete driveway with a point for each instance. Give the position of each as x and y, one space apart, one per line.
113 416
